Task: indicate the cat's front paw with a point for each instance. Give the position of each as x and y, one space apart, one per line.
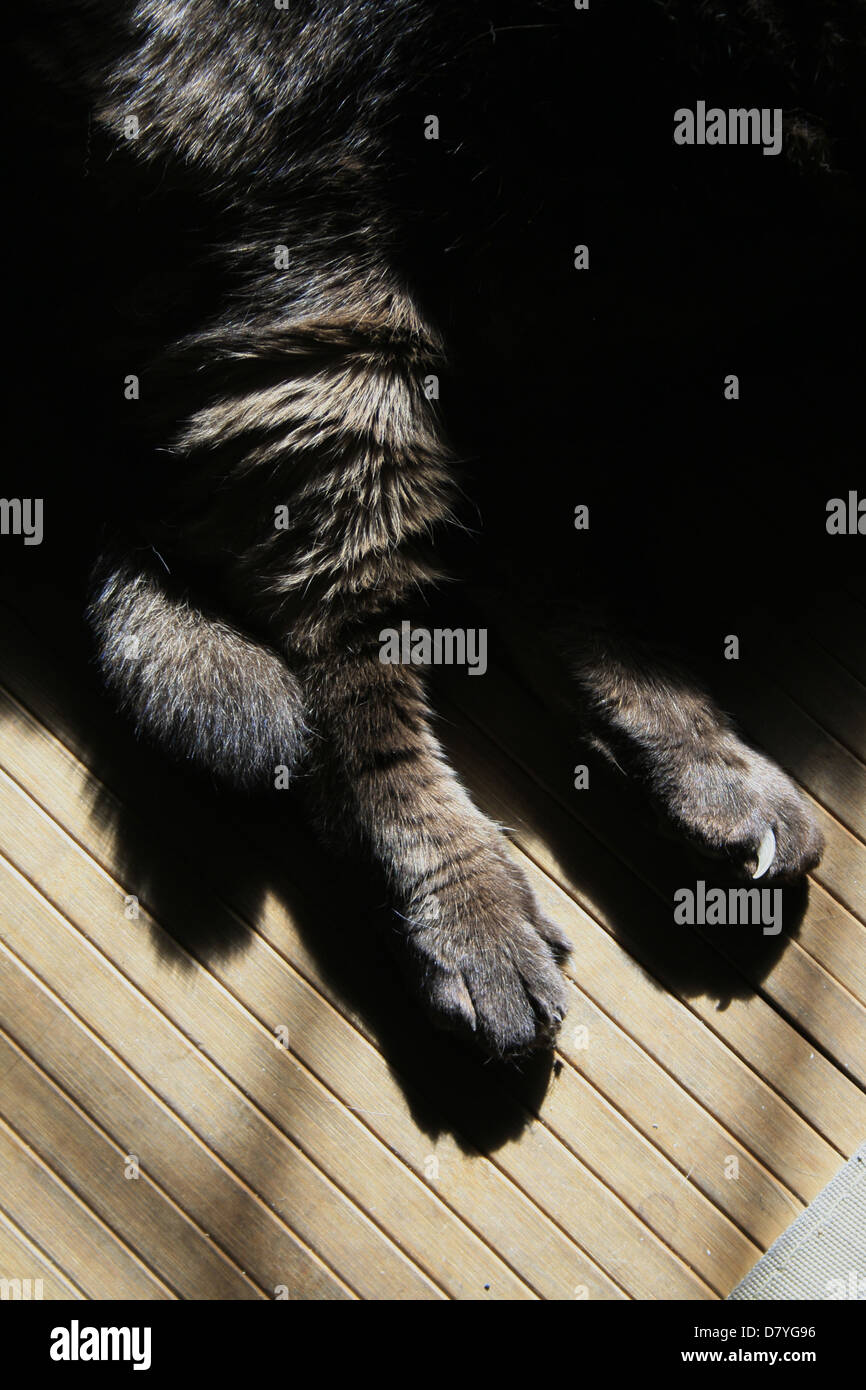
485 960
733 803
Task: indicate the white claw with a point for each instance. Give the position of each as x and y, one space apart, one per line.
766 854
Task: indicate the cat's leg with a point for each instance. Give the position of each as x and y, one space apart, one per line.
482 955
654 719
651 716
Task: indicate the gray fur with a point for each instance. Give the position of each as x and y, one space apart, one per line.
192 682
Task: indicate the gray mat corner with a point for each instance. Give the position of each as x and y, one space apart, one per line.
822 1255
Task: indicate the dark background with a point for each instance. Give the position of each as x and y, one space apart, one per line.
602 387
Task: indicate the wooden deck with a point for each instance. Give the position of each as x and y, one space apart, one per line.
234 1039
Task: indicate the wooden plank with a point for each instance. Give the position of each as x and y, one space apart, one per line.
21 1259
703 1151
841 871
57 1221
95 1168
617 1152
120 1102
819 1006
834 938
713 1075
834 698
99 993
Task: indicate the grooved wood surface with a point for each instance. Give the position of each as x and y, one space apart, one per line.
212 1084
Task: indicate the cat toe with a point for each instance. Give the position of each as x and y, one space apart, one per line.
745 809
486 961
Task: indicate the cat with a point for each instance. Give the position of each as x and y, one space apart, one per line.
241 645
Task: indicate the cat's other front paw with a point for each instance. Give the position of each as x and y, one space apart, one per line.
485 960
731 802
